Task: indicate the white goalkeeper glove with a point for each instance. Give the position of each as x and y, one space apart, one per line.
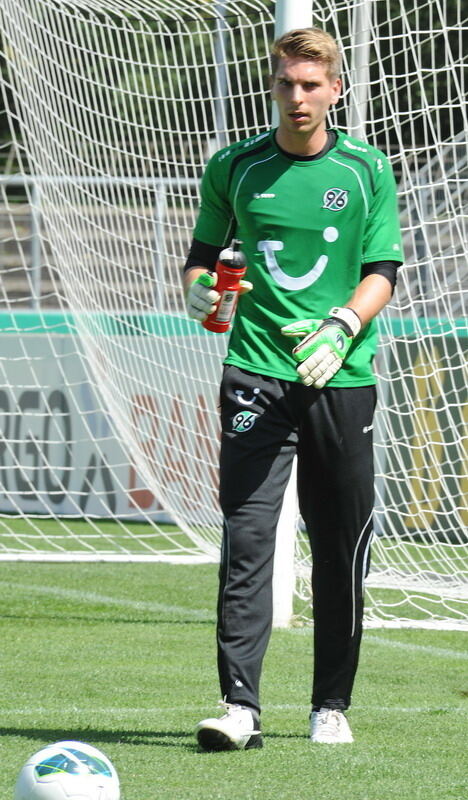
325 344
202 298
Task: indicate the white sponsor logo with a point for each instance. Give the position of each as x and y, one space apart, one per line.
263 196
355 146
256 139
331 234
270 248
246 144
240 396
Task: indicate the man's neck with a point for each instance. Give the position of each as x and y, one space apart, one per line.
302 145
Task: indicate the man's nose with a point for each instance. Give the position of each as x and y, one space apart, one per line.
296 93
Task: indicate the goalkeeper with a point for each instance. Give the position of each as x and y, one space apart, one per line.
317 215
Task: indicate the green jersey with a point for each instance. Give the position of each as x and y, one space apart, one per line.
307 227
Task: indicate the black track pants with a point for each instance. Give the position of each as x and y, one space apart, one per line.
265 421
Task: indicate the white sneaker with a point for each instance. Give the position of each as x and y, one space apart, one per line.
237 729
330 726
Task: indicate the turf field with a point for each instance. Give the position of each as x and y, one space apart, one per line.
122 656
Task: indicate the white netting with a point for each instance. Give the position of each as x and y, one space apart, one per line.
114 108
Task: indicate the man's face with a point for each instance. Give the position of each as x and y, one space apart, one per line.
304 94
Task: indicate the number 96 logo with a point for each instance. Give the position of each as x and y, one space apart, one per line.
243 421
335 199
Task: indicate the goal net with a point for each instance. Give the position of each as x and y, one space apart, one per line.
108 395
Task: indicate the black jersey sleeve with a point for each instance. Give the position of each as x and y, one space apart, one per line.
388 269
202 254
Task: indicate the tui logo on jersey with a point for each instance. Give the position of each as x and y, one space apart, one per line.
335 199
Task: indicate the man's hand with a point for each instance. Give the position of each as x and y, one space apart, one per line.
202 297
325 344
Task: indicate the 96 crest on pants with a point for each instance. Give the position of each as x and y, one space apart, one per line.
243 421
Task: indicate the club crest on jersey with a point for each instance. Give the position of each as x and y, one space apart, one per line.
335 199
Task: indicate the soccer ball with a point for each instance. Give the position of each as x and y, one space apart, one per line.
68 771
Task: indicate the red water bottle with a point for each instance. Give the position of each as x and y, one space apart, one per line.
230 269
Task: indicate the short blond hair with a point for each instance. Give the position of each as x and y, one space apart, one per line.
311 44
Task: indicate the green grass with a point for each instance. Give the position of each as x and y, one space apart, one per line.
123 656
82 536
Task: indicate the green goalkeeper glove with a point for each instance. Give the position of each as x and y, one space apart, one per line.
202 296
325 344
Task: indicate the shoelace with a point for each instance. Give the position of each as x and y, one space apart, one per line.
228 707
232 707
330 720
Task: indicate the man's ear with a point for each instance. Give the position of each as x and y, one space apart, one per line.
337 87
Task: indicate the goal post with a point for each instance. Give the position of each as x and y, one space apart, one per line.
360 67
290 14
108 420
